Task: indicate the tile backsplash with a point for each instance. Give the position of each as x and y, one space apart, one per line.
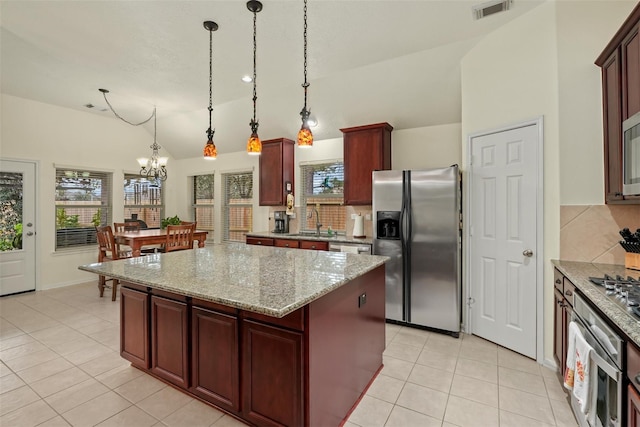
589 233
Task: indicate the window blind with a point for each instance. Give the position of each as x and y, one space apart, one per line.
82 201
238 206
323 188
203 201
143 200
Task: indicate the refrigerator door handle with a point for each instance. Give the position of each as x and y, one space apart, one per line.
406 241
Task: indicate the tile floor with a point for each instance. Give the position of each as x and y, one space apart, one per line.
60 366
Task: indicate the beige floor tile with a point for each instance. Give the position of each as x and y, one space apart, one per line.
526 404
474 389
34 325
55 422
396 368
424 400
60 381
56 335
513 360
96 327
194 414
163 402
16 399
509 419
10 332
476 341
402 417
478 370
549 373
132 416
386 388
75 395
463 412
563 414
73 346
29 415
405 352
409 336
427 376
107 334
4 370
229 421
15 341
21 350
10 382
32 359
444 362
443 344
140 388
555 389
118 376
91 353
97 410
523 381
103 364
46 369
371 412
481 354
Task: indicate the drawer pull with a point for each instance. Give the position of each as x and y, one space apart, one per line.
286 245
568 293
558 281
259 242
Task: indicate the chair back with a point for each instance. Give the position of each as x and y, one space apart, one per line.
107 249
179 237
126 226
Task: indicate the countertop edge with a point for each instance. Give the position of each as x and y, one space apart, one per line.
293 236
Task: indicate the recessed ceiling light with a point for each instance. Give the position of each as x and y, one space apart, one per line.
247 79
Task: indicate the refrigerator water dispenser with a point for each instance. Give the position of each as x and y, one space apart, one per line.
388 224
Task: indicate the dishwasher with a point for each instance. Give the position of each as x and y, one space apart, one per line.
353 248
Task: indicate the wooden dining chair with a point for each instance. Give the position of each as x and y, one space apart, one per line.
179 237
126 226
108 251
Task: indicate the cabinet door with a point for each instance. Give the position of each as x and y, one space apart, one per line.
286 243
134 327
314 245
276 168
612 126
633 407
272 383
558 329
215 375
169 340
366 148
631 73
259 241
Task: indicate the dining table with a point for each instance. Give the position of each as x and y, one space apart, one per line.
136 239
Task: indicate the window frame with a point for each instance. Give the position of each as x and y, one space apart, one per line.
304 195
203 225
226 229
160 207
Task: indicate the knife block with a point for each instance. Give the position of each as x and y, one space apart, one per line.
632 261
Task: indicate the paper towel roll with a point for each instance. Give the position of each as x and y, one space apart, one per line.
358 227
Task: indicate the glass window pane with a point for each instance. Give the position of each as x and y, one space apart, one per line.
203 201
238 206
143 200
323 189
10 211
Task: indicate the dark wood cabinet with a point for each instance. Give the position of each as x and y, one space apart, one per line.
276 169
563 309
215 374
262 241
633 374
170 340
286 243
620 64
366 149
633 407
134 326
314 245
272 383
317 245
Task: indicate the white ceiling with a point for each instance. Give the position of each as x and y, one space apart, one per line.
369 61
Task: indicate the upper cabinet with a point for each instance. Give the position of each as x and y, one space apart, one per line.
620 63
276 169
366 149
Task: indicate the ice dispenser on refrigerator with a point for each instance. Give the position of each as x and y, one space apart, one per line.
388 224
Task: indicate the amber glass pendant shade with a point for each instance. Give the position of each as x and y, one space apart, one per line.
305 137
254 145
210 151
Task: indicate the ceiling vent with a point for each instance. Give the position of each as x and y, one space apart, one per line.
490 8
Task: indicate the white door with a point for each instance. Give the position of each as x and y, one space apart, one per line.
17 227
503 230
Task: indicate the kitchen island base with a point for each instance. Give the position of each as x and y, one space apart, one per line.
307 368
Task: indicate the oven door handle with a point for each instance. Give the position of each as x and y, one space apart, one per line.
609 369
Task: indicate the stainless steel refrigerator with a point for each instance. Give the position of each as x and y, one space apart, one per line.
417 223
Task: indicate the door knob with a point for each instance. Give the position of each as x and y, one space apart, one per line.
30 233
527 252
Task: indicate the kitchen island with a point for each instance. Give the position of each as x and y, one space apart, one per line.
273 336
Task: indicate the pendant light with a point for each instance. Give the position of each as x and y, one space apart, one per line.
210 152
254 145
305 137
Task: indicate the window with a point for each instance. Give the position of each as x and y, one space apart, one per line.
83 201
322 188
203 201
143 200
238 206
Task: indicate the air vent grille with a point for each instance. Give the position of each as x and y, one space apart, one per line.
490 8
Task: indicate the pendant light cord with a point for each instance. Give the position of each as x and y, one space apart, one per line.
104 93
305 85
254 122
210 131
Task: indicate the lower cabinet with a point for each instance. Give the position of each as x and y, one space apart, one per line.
633 407
134 327
170 340
215 375
272 375
563 309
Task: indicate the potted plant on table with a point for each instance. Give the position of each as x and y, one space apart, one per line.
174 220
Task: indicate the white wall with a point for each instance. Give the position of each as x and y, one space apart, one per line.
427 147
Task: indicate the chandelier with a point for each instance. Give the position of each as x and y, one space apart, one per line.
305 137
210 151
254 145
150 168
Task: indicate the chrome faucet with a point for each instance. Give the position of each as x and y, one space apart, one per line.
318 225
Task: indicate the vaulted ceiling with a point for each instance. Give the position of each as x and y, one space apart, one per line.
369 61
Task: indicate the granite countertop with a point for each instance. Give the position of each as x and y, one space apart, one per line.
579 273
266 280
323 237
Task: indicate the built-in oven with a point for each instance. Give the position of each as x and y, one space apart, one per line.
604 407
